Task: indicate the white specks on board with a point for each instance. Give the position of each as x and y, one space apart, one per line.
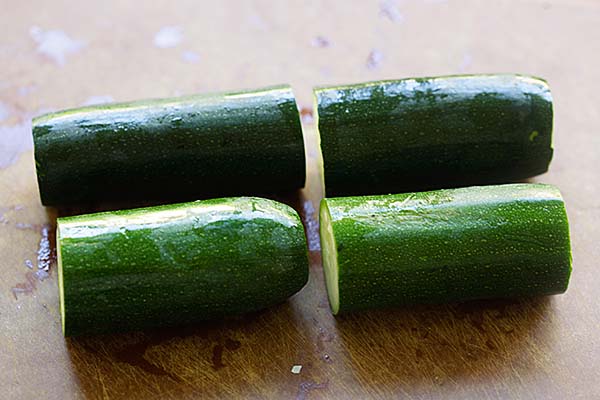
389 9
55 44
168 36
312 226
94 100
190 57
374 59
45 255
296 369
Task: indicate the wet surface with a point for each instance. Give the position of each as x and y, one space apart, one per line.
320 41
218 349
311 226
14 140
168 36
390 9
55 45
135 355
190 57
374 59
4 112
45 254
217 357
28 286
307 387
46 251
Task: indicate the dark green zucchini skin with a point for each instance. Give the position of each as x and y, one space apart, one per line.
242 143
451 245
431 133
177 264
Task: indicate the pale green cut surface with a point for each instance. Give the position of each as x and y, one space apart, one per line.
330 261
320 160
60 279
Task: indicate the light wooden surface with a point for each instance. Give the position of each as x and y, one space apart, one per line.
63 54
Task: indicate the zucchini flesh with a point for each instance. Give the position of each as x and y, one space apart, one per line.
444 246
330 261
429 133
177 264
242 143
61 286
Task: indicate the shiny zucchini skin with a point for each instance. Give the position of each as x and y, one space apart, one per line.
443 246
242 143
432 133
177 264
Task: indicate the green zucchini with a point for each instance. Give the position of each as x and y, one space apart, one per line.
444 246
242 143
177 264
430 133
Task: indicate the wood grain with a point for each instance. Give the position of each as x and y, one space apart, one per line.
543 348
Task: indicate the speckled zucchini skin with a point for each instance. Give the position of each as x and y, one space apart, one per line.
242 143
431 133
177 264
450 245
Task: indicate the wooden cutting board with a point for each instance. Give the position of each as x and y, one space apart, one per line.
63 54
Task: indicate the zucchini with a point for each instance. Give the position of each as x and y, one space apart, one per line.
429 133
242 143
444 246
177 264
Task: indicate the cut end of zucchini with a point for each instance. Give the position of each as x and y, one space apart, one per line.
330 258
61 287
320 161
